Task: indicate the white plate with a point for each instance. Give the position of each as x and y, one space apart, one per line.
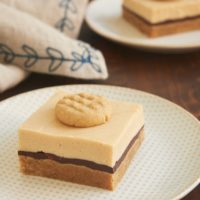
166 167
105 18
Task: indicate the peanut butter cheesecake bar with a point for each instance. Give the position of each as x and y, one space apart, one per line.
162 17
81 138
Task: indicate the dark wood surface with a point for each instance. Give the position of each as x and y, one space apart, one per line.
175 77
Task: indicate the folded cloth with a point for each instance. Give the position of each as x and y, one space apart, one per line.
11 76
65 15
31 44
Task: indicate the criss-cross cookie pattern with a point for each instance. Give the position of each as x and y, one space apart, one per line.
83 110
83 102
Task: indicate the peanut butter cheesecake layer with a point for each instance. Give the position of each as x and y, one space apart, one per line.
81 134
157 18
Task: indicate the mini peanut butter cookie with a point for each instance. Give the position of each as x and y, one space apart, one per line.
83 110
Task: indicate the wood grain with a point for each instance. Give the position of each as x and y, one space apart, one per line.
172 76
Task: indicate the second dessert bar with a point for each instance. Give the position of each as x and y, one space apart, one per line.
159 18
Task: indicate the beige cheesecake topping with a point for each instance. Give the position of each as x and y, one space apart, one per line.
83 110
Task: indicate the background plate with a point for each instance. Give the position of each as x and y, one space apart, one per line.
166 167
105 18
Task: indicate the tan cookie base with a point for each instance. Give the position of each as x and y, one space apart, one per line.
76 173
161 29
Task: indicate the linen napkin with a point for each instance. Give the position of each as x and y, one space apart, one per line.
33 45
65 15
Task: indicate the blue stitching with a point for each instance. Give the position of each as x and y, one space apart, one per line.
56 57
65 21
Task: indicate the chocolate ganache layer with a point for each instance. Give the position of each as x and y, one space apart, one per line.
159 23
86 163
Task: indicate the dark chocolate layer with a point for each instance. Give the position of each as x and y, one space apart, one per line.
159 23
90 164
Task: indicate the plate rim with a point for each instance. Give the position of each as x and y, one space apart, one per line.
114 37
188 189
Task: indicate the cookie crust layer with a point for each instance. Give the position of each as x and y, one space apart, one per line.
161 29
79 174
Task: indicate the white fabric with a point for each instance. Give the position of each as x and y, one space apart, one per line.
33 45
65 15
10 76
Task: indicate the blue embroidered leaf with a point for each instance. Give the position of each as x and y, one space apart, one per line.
69 24
63 23
8 54
69 5
77 56
72 7
56 57
85 58
60 25
93 53
91 50
96 68
86 54
64 3
76 66
31 55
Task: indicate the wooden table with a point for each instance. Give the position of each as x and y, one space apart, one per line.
175 77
